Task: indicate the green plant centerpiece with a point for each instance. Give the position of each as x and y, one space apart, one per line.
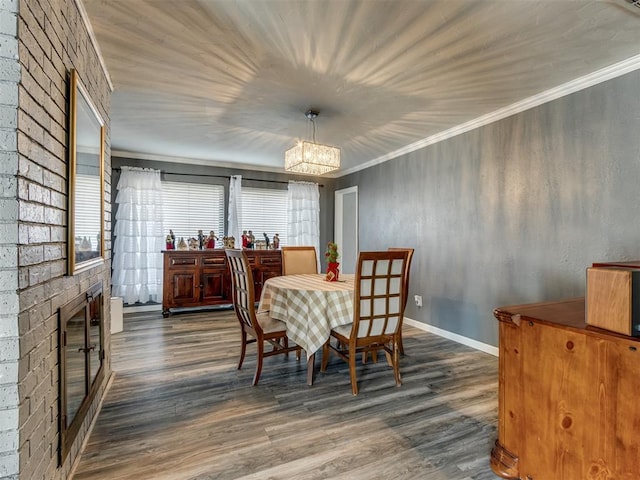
332 262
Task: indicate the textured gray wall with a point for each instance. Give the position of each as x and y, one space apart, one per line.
512 212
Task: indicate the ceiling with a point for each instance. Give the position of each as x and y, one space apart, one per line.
227 82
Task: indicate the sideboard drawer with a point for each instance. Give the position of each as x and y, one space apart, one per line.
214 261
271 260
183 261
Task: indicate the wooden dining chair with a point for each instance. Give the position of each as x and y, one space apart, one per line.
299 260
406 282
378 309
406 295
258 325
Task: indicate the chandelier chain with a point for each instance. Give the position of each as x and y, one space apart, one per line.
314 130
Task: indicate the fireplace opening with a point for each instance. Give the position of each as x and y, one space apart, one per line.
81 347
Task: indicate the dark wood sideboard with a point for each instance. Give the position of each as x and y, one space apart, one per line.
568 404
197 278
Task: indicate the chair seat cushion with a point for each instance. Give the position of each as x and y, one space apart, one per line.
344 330
270 325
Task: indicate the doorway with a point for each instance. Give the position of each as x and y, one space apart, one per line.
346 227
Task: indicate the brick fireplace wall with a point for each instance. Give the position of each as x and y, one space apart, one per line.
9 341
40 41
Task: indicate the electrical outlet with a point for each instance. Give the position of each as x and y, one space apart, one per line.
418 299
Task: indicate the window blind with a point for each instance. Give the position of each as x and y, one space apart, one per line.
264 210
189 207
87 209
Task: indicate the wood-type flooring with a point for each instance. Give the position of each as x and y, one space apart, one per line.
180 409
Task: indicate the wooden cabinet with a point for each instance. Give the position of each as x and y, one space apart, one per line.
263 267
196 278
567 406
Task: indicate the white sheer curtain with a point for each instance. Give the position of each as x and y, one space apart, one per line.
139 238
234 221
304 215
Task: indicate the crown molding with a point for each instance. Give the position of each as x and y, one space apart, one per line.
582 83
194 161
94 41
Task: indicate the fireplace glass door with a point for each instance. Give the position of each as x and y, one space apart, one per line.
81 359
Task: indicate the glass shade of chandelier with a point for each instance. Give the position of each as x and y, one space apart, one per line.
311 158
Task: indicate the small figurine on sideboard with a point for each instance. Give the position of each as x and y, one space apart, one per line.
229 242
211 240
276 242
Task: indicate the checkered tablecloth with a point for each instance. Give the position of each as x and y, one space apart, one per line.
309 305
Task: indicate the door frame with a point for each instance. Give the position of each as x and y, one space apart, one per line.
339 214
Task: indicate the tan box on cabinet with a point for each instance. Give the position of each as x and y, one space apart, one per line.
613 299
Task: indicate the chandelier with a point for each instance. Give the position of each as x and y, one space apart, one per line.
311 158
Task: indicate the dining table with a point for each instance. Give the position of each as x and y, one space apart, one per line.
310 306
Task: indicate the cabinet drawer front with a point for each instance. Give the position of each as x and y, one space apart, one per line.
275 260
252 260
214 261
182 261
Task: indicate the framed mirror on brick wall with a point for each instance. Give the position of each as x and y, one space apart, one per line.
86 180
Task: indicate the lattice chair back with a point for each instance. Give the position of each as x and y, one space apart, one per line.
407 269
243 292
379 293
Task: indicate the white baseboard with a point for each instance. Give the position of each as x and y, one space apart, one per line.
469 342
142 308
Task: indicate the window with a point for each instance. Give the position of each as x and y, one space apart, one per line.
189 207
264 210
